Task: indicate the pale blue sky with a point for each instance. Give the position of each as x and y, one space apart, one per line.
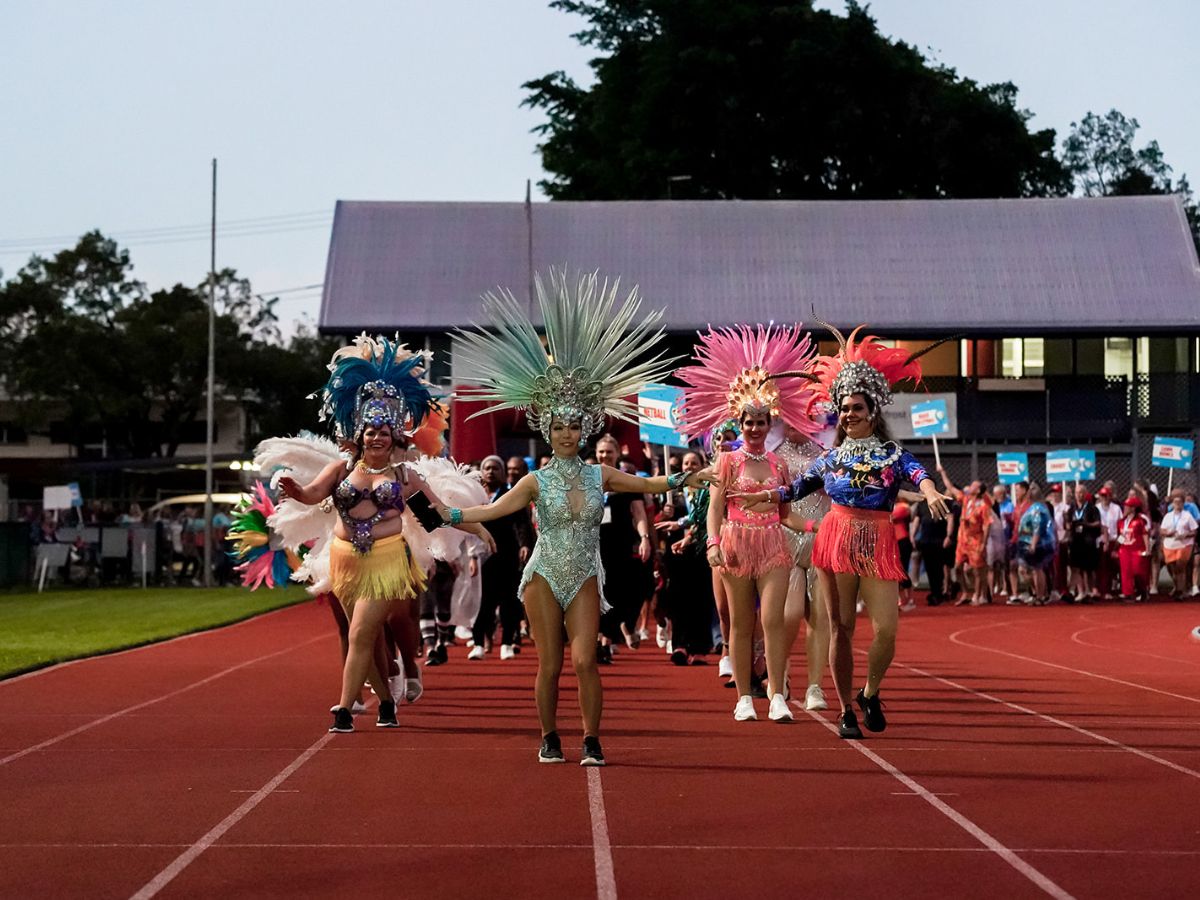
111 112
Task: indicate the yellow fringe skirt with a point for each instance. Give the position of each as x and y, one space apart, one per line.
385 572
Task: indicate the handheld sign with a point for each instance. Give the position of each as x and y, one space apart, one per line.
1172 453
1061 465
659 408
929 419
1086 470
1012 467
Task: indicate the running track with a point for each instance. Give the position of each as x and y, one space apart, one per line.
1031 752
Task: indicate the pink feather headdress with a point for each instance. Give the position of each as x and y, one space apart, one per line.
739 368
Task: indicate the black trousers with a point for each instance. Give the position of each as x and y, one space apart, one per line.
934 558
435 604
626 587
690 603
500 579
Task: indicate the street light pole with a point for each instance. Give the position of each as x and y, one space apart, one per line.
210 407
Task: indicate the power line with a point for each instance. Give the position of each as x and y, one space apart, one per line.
165 230
228 233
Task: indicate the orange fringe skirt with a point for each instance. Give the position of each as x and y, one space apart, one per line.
858 542
755 549
385 572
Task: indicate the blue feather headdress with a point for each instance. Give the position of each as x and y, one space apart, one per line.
376 382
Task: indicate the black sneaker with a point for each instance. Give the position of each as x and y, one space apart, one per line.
604 654
592 754
436 655
343 721
872 708
679 656
387 715
848 727
551 749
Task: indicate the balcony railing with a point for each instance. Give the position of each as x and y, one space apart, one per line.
1082 408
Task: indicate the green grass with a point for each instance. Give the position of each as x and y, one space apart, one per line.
38 630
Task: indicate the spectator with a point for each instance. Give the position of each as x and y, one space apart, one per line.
517 469
1110 518
999 532
1061 503
1036 539
902 524
1020 505
1085 526
1179 537
932 539
1134 551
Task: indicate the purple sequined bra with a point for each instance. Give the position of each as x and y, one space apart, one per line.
385 496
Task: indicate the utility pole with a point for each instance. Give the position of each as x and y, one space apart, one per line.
210 425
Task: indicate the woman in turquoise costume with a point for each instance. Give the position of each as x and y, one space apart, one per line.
585 371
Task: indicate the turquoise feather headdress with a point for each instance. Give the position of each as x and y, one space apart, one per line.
376 382
587 367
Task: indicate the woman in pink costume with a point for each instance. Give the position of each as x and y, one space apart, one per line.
732 378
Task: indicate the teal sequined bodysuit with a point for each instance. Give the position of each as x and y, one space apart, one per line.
570 505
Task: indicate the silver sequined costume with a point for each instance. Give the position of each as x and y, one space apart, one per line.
798 457
570 505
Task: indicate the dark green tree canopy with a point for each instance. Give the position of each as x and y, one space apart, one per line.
765 99
1099 153
86 343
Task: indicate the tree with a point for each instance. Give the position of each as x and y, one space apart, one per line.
774 99
1099 153
87 343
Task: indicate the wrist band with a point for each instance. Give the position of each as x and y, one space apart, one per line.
644 537
712 542
455 515
676 480
810 526
782 492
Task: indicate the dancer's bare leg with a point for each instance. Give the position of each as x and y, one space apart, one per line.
773 598
366 620
583 625
841 592
545 619
880 597
742 618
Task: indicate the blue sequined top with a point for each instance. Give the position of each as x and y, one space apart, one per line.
864 474
570 506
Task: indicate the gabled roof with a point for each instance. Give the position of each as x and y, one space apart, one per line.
1112 265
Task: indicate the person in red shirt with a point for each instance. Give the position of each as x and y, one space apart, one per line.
1134 553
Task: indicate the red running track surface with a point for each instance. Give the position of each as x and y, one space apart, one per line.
1030 752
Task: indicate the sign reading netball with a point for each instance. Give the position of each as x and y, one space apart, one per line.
659 413
1172 453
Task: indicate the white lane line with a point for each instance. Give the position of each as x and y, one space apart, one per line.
955 639
150 646
1075 637
789 848
606 882
991 843
4 760
1095 736
188 856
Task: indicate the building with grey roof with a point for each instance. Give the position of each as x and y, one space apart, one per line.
1095 301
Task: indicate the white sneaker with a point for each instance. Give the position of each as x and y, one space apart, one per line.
643 634
506 651
779 710
1195 592
908 607
814 698
413 688
356 707
463 633
660 635
476 652
396 686
859 606
725 667
744 711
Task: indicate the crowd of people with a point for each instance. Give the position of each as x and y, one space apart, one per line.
1062 544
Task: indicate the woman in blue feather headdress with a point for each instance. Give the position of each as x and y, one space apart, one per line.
375 394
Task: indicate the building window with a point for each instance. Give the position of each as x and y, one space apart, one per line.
1118 357
1022 357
